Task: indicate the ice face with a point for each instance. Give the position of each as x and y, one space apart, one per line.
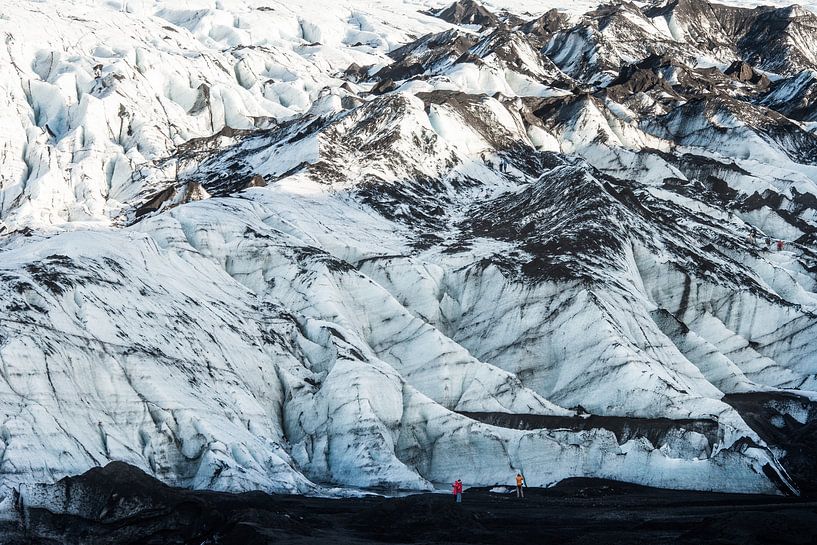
313 245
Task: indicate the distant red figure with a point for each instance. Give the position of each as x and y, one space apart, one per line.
779 245
456 489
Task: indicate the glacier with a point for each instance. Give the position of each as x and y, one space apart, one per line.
315 247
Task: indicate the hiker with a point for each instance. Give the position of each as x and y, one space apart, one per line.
520 480
779 245
456 489
752 236
768 243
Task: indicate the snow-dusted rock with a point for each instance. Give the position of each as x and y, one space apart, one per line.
288 247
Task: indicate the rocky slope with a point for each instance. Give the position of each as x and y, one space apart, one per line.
286 248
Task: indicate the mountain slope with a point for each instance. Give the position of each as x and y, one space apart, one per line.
275 247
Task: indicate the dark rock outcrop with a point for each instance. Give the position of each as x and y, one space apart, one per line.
468 12
743 71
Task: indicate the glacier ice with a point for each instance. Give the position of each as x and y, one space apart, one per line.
297 246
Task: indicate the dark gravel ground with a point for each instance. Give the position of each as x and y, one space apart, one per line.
125 506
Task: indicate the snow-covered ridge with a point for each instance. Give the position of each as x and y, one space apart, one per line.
287 246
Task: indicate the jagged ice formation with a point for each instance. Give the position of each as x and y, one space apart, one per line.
269 245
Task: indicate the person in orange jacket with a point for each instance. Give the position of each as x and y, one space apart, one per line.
520 480
456 489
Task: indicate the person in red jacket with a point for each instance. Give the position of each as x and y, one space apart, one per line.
779 245
456 489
